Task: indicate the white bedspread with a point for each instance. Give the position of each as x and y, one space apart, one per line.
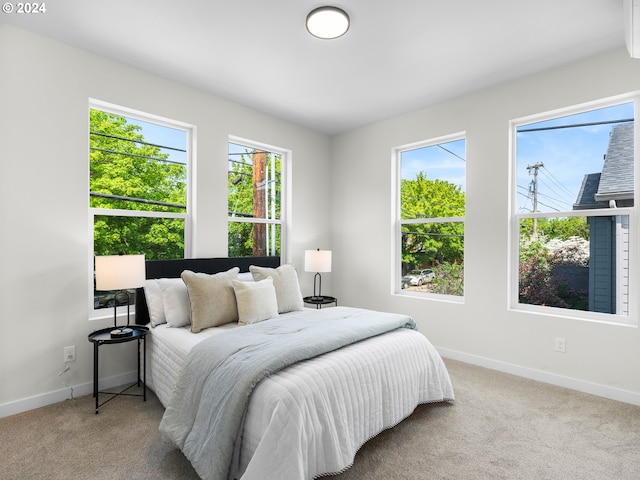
311 418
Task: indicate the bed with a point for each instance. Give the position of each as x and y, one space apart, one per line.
283 392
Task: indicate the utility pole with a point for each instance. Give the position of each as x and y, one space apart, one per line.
533 189
259 203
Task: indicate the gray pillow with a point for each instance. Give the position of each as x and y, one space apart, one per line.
212 299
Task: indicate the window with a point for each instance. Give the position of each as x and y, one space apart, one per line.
573 211
431 182
138 185
255 199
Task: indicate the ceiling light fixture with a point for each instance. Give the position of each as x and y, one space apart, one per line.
327 22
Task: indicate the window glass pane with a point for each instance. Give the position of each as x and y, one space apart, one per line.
576 162
433 181
254 239
438 248
581 162
254 201
432 186
157 238
254 183
579 263
136 165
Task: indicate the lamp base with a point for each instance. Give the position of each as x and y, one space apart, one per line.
121 332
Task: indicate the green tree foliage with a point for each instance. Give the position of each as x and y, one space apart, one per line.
240 204
241 190
128 174
449 279
559 228
428 243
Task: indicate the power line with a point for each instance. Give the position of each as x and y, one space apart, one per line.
553 194
135 155
559 203
452 153
558 193
523 195
136 200
574 125
133 140
548 206
528 197
569 194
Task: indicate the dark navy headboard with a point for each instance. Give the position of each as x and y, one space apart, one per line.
173 269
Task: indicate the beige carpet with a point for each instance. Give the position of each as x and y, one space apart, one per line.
501 427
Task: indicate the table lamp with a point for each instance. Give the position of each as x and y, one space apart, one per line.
119 273
317 261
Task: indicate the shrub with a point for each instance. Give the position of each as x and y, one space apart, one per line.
539 281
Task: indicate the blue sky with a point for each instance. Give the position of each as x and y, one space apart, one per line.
161 135
237 148
568 154
443 162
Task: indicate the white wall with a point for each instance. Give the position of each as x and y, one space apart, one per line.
45 88
600 358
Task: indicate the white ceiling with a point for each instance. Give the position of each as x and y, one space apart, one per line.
399 55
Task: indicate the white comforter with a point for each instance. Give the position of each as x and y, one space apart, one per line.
312 417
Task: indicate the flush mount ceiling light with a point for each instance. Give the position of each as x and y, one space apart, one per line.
327 22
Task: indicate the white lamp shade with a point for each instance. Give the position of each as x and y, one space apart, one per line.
120 272
317 260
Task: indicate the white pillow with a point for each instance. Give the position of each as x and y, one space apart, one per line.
285 281
256 301
176 301
212 299
155 304
246 277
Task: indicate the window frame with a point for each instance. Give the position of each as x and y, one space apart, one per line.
513 290
398 222
187 217
285 193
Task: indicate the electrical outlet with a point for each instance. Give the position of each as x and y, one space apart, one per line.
561 345
70 354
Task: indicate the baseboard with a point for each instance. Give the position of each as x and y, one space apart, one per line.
44 399
545 377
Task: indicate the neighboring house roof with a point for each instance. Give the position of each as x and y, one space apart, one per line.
616 180
587 194
617 173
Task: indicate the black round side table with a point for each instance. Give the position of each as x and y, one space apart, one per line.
320 300
103 337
